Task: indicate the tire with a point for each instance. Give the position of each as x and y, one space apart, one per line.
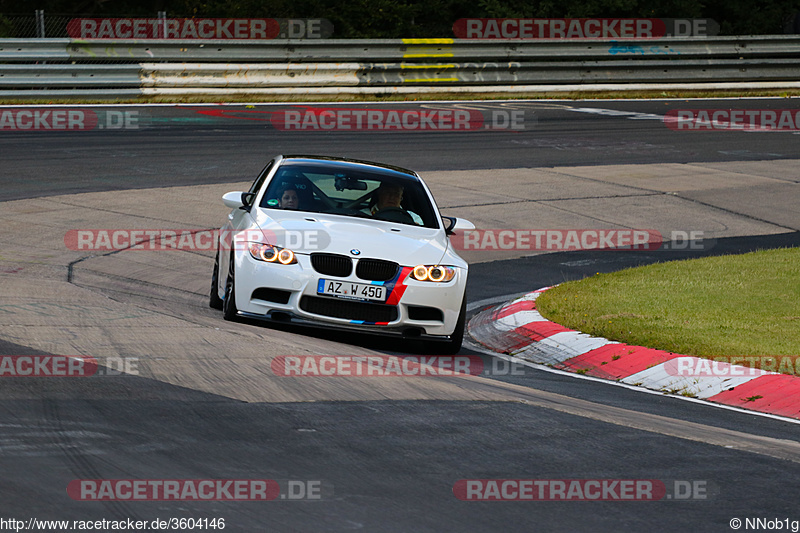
214 301
452 346
229 303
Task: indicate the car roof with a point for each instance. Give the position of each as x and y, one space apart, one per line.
345 162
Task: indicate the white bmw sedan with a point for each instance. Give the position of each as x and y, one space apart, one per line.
342 243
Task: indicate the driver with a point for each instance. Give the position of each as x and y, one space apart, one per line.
390 196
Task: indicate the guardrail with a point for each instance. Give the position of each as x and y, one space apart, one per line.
78 68
380 50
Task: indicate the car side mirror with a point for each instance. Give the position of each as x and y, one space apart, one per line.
454 224
238 199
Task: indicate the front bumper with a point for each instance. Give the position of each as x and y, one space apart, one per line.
271 291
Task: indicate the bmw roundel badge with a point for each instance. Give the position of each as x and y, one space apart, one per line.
355 251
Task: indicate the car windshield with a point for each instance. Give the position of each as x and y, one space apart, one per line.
350 190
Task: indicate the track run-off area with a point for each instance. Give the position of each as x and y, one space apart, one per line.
184 395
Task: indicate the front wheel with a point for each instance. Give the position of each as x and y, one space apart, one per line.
452 346
214 301
229 311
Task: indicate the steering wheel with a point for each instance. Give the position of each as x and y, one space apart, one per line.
395 214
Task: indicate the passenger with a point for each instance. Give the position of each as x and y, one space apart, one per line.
390 196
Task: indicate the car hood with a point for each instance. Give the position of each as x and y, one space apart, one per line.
306 233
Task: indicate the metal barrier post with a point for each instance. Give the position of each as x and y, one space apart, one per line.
162 24
40 24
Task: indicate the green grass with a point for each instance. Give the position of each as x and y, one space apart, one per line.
736 305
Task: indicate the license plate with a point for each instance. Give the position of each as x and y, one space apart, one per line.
346 289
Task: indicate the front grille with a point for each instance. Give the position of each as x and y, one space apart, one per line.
332 307
332 264
277 296
376 269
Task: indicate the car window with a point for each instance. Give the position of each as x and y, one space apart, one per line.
354 192
259 181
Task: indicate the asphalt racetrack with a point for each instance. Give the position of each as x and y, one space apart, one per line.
184 395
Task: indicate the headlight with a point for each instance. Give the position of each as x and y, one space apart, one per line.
272 254
435 273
